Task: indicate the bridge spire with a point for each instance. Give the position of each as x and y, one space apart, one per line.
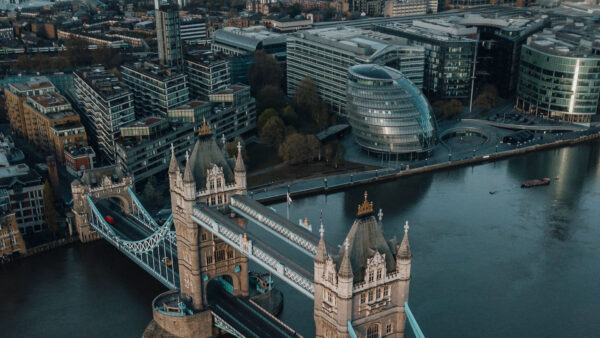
321 255
187 173
346 267
239 161
404 248
173 166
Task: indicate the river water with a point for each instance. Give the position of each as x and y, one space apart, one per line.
518 262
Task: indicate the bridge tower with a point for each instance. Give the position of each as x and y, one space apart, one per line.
209 177
366 285
98 184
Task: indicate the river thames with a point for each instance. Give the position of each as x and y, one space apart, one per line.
489 259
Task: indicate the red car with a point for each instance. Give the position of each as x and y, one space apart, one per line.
109 219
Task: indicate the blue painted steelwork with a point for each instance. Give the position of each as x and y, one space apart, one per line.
413 322
156 254
351 331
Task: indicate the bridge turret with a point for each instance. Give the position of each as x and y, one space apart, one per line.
371 283
240 170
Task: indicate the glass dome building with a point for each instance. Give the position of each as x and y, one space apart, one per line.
388 113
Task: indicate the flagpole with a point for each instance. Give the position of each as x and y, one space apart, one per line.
288 201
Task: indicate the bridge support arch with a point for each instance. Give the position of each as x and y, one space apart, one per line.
98 184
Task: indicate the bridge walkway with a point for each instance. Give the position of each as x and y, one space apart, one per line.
287 230
257 242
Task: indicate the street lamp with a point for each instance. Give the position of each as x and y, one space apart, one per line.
325 182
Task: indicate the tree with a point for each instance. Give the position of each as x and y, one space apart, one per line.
487 99
150 194
273 130
77 52
264 117
298 148
107 56
307 97
231 148
289 115
334 153
50 213
264 71
447 109
270 96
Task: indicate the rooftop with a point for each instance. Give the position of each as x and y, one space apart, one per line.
437 29
359 41
49 100
191 105
105 83
573 39
154 70
32 84
74 151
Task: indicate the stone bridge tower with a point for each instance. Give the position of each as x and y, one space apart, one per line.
366 285
211 178
99 184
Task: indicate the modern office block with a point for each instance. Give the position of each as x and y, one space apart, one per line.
389 115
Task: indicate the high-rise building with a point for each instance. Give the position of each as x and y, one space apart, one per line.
193 31
559 75
449 53
207 73
25 189
389 115
105 106
168 37
156 89
326 54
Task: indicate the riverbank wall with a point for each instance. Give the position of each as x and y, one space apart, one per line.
431 168
43 248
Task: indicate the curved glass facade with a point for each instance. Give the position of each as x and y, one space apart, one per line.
560 87
387 112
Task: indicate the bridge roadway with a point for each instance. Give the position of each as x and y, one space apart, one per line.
291 232
131 230
245 317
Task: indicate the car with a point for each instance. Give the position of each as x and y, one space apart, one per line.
167 261
109 219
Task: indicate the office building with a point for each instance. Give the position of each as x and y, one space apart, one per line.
156 89
105 106
240 44
168 36
193 31
234 111
559 74
462 4
500 41
326 54
389 115
449 54
193 112
207 73
144 147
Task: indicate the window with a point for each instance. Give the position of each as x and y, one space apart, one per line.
220 255
209 260
203 236
363 298
386 291
388 328
373 331
379 274
370 276
370 295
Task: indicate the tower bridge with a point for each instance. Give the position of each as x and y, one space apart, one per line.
360 291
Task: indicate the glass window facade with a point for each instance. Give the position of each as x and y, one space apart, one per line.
558 87
388 113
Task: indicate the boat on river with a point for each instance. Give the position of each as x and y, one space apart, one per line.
535 183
